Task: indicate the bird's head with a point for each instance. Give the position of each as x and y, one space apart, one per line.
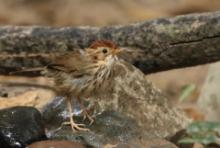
101 50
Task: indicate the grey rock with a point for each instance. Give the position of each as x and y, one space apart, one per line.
132 109
209 100
20 126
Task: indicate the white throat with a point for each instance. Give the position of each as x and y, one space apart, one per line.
111 60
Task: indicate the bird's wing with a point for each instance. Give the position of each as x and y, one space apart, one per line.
73 62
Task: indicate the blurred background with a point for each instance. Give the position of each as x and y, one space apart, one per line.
95 12
181 84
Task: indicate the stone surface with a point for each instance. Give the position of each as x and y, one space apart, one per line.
209 100
20 126
197 145
109 127
133 108
152 143
140 143
56 144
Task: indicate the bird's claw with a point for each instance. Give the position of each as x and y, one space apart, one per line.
76 127
86 115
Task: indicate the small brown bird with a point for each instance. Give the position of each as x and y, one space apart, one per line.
83 73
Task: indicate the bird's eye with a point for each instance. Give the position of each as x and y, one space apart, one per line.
104 50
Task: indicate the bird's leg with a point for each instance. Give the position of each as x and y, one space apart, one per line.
85 112
74 125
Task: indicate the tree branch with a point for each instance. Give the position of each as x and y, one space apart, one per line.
165 43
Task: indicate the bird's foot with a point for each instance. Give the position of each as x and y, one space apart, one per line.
86 115
76 127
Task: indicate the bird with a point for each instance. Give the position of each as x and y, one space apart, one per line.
84 73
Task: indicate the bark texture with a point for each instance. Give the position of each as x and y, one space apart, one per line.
158 45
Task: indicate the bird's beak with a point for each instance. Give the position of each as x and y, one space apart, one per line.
117 51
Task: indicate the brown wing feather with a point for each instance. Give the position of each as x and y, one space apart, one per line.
73 62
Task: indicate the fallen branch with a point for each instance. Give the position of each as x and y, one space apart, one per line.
165 43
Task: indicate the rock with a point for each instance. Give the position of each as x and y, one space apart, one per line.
135 97
159 143
109 127
152 143
20 126
56 144
198 145
3 143
209 101
130 110
177 137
